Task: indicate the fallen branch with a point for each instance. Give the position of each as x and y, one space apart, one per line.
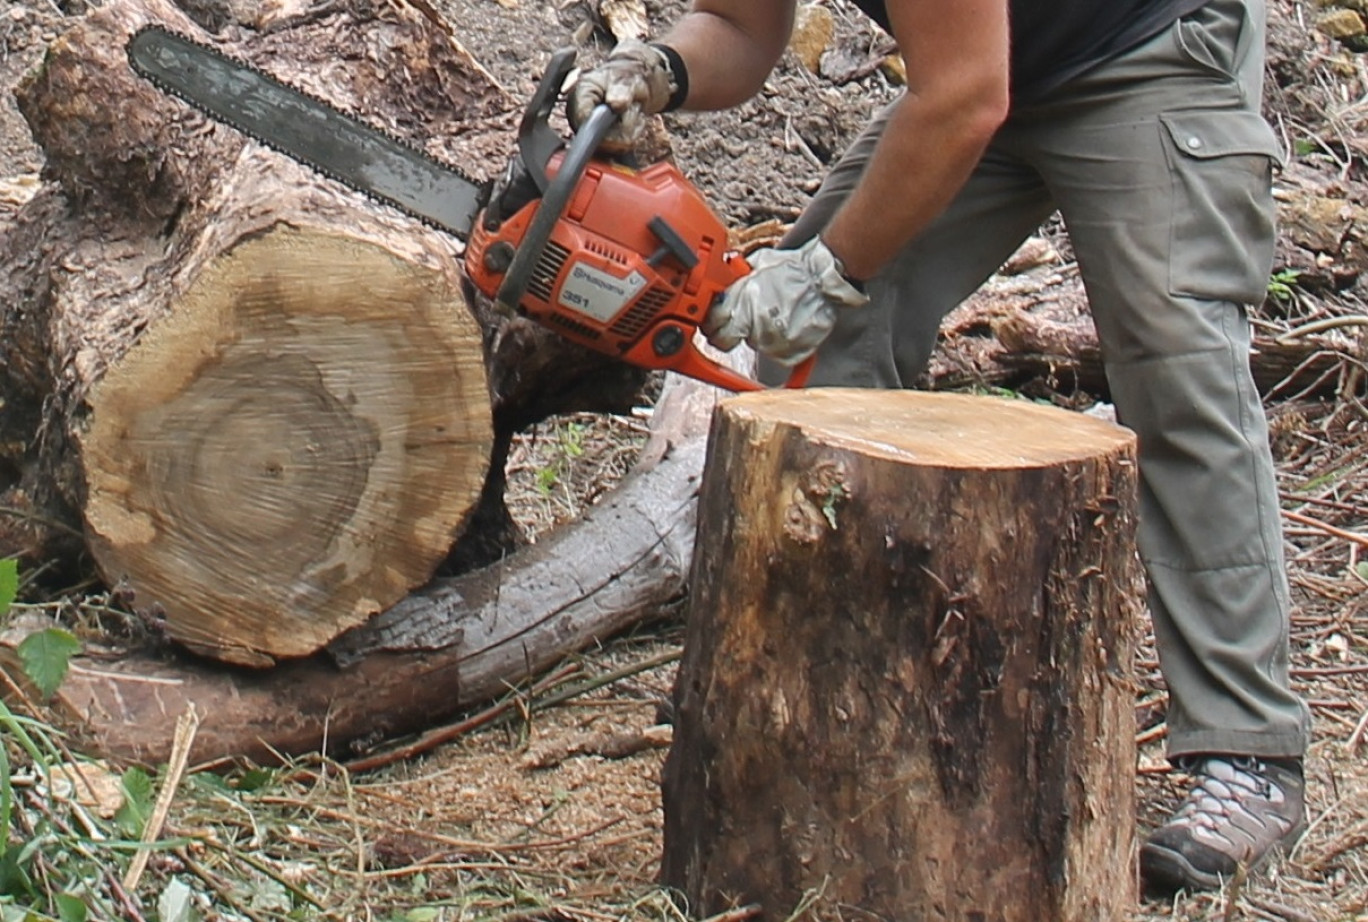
439 735
1300 519
1320 326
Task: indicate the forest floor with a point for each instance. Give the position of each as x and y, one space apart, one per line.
528 818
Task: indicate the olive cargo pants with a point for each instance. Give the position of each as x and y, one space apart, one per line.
1161 166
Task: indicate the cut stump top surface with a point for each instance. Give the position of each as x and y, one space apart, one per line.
937 429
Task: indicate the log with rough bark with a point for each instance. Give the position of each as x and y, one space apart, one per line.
905 689
265 406
450 646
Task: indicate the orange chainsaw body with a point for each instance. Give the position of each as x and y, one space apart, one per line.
630 268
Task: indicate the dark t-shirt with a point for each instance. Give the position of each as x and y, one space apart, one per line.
1054 41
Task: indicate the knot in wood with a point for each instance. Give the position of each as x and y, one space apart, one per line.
820 491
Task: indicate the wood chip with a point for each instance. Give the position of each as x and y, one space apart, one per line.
626 19
813 28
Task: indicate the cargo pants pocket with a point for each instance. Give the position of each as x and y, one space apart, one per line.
1221 232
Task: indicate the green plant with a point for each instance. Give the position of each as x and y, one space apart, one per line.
9 585
1282 285
567 446
46 656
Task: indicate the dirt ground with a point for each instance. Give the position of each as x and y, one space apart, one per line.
585 827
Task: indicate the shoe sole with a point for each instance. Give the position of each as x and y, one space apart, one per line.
1165 869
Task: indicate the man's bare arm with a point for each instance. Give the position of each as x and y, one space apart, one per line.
730 48
957 97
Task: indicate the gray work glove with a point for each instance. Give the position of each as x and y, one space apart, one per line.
635 81
786 306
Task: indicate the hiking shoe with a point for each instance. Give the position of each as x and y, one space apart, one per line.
1239 811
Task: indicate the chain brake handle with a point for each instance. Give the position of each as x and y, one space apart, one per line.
537 142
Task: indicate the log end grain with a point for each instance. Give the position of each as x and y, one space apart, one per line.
292 450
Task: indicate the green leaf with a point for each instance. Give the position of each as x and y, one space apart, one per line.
46 655
210 783
9 583
255 779
177 902
6 800
137 805
14 880
71 908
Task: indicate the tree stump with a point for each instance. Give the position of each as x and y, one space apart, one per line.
905 689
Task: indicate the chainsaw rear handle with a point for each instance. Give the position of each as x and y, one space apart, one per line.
694 364
801 372
553 204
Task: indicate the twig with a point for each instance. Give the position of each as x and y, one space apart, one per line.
1320 326
1158 731
608 678
1352 743
213 882
186 728
532 701
1328 529
1309 671
439 735
40 519
1277 910
130 909
739 914
264 869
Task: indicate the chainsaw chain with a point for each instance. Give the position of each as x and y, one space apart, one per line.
318 168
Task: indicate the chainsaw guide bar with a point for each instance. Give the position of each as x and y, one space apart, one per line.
337 145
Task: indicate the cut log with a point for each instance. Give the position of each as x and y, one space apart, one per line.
905 688
450 646
263 404
291 451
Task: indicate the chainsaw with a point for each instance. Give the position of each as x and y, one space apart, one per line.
623 261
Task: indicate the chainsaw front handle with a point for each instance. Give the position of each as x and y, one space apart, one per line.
553 204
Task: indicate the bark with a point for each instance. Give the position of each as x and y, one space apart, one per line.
449 646
1011 338
262 403
905 691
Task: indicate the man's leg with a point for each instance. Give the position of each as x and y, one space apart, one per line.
887 342
1161 166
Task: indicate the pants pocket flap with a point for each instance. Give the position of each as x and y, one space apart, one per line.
1213 133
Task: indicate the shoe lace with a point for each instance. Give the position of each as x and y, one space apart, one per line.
1222 787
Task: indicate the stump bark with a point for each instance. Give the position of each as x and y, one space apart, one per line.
905 689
